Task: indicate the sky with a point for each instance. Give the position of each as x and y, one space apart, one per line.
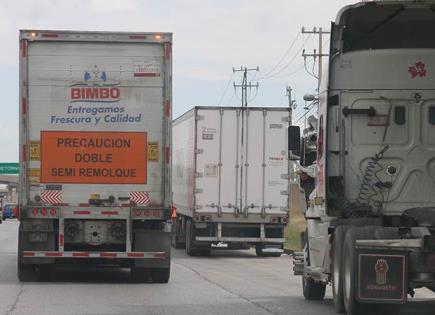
210 38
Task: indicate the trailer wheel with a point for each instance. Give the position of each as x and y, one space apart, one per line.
337 269
190 249
175 235
27 273
353 307
259 250
45 272
139 274
160 275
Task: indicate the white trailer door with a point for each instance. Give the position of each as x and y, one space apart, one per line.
265 165
218 160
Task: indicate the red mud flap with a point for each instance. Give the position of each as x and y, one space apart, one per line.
382 277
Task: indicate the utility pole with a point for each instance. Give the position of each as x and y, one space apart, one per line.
320 53
245 85
291 103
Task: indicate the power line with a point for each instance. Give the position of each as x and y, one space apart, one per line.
284 56
226 89
288 63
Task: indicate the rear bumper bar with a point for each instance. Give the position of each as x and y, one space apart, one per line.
239 239
105 255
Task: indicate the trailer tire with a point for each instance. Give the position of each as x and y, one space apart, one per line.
337 270
353 307
190 248
139 275
27 273
259 250
45 272
160 275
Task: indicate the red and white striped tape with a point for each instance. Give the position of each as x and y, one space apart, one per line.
140 197
51 196
129 255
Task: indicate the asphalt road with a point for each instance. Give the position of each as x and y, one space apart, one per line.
228 282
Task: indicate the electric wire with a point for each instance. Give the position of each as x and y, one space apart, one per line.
284 56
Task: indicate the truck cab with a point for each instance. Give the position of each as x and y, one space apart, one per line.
372 214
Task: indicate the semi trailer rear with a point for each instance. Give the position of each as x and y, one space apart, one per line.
230 179
95 143
371 217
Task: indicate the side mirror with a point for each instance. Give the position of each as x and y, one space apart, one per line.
294 143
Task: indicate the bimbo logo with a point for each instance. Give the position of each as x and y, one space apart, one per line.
95 88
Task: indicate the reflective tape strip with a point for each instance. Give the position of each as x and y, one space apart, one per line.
168 48
24 153
168 109
168 152
49 35
80 254
109 212
137 37
108 255
24 106
24 48
82 212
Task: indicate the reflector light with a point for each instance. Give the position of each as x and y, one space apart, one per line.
53 211
158 37
35 211
146 213
273 219
44 212
138 213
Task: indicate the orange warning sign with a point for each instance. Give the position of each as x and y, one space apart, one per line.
93 157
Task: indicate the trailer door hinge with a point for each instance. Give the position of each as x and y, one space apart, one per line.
199 151
286 119
285 176
284 192
199 117
198 191
198 174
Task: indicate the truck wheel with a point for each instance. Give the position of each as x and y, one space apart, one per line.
27 273
45 272
353 307
337 270
160 275
204 252
175 235
190 249
139 274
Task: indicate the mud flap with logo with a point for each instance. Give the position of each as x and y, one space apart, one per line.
381 277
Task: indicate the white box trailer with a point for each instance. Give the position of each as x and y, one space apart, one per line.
230 178
95 121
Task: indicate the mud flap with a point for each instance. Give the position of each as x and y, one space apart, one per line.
382 277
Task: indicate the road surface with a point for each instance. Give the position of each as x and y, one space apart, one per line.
228 282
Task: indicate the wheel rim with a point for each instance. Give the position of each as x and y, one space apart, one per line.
347 278
336 274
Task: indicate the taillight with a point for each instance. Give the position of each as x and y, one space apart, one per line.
273 220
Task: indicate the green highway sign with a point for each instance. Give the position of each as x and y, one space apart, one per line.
9 168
